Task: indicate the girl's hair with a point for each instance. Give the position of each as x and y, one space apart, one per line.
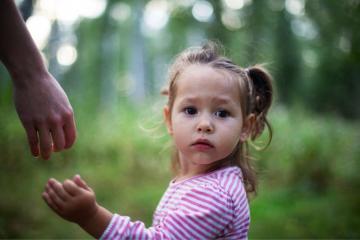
255 98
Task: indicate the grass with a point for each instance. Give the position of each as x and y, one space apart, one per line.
308 176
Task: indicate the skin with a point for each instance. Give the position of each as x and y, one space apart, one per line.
217 119
41 103
74 201
212 115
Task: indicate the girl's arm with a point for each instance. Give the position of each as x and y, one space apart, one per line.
201 214
74 201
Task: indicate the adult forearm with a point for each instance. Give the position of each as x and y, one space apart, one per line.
18 51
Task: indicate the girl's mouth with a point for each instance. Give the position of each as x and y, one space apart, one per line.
202 145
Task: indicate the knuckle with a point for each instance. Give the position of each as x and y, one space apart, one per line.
27 122
54 120
68 114
39 121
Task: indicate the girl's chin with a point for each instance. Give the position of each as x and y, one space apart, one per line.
201 158
205 161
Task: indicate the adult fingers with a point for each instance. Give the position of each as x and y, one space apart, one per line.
69 130
32 139
58 138
46 146
71 188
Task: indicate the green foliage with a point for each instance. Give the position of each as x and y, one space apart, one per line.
308 178
123 164
308 175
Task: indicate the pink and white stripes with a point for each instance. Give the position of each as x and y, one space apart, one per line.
209 206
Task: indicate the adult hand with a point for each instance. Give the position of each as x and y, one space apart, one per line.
46 115
41 103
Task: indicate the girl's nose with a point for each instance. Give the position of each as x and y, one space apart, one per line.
205 126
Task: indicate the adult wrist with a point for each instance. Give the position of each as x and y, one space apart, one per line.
32 74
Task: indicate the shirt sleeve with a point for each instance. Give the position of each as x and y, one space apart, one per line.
202 213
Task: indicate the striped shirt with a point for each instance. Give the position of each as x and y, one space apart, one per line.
208 206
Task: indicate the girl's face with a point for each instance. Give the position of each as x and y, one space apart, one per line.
206 120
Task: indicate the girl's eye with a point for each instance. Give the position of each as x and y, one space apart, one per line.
222 114
190 110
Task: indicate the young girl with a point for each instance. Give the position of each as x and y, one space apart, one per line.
213 108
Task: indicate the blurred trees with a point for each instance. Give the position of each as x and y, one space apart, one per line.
312 48
314 55
335 86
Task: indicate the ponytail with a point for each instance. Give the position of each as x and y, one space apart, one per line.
260 99
255 98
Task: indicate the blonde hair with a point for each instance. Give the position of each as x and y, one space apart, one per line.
255 98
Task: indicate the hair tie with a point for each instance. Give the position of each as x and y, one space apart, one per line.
247 71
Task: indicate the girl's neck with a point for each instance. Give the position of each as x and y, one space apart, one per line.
186 171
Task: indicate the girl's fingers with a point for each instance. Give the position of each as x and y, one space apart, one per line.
49 202
58 189
80 182
71 188
54 199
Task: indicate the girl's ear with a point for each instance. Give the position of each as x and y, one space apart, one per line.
167 118
247 127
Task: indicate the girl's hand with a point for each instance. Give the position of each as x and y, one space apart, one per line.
72 200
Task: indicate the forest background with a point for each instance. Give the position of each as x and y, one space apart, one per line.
111 57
